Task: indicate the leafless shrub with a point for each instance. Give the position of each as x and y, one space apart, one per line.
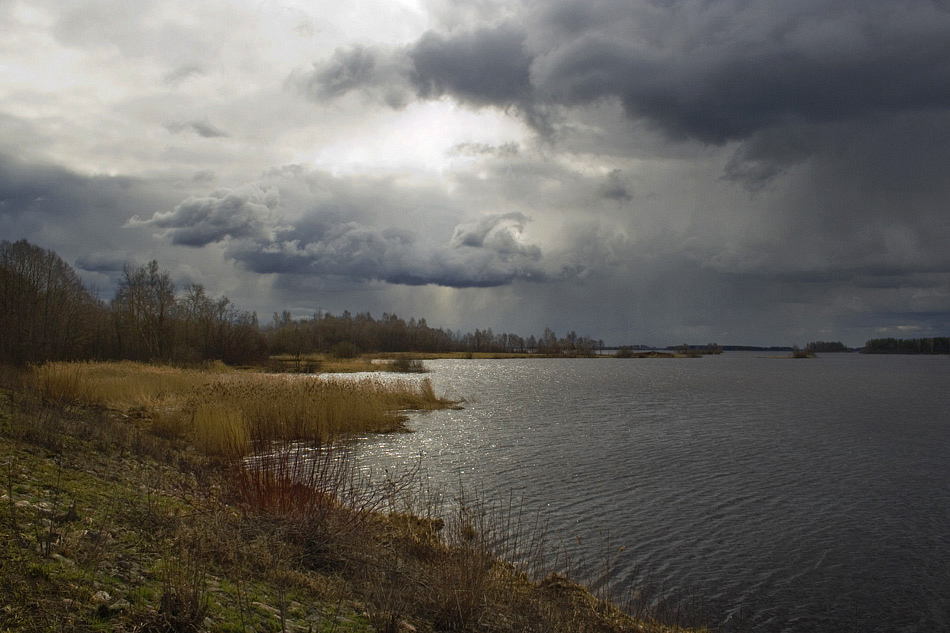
183 604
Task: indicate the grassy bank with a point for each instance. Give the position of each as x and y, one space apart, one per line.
129 504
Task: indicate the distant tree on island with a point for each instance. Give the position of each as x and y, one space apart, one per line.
934 345
827 347
694 351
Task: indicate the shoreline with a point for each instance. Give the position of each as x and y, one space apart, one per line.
113 519
383 361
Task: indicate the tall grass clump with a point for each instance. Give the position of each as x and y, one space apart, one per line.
220 430
311 484
230 414
121 385
256 411
408 365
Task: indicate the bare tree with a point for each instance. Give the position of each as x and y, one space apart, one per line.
143 308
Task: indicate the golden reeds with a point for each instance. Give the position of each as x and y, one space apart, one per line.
281 409
220 430
121 385
231 413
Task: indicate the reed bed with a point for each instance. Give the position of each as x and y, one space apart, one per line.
231 414
121 385
277 409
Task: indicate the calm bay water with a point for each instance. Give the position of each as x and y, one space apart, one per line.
812 495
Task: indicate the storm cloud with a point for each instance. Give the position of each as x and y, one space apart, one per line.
710 72
358 252
651 171
723 71
247 212
488 66
331 238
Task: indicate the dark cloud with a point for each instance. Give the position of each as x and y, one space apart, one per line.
78 216
106 263
49 196
202 128
380 73
225 213
722 71
614 187
327 229
484 67
712 72
483 255
499 233
505 150
348 69
26 188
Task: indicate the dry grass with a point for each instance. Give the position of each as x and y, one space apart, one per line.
230 413
220 430
123 385
276 409
349 365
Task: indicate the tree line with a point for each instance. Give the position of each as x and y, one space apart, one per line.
340 334
46 313
826 347
933 345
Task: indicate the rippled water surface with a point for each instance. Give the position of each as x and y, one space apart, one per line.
812 494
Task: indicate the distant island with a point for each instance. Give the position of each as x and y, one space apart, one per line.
933 345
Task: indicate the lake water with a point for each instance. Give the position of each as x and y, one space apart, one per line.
806 495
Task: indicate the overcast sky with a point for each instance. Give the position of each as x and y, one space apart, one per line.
739 171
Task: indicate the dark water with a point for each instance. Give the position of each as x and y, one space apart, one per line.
809 495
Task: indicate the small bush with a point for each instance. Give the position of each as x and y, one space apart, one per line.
408 365
798 352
